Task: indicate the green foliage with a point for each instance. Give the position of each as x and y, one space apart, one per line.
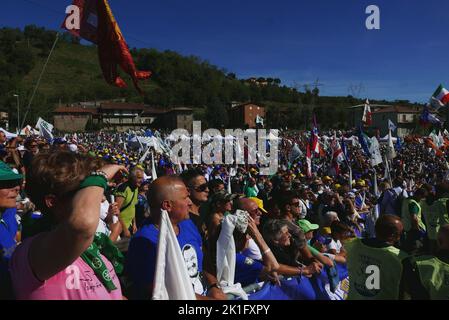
73 74
216 114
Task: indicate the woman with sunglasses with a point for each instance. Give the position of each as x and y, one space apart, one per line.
31 149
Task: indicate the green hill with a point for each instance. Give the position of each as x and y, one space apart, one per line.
73 74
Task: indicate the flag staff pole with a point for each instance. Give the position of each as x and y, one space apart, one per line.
39 80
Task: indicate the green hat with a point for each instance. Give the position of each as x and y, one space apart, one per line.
6 174
306 226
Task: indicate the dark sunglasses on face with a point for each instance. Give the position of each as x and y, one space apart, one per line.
296 204
200 188
9 184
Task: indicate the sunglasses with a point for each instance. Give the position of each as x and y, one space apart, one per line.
296 204
201 188
9 184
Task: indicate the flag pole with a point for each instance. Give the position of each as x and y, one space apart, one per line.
40 78
350 178
387 168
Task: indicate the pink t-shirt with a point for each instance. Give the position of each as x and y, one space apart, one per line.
77 282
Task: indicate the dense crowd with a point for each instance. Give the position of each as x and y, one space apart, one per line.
81 217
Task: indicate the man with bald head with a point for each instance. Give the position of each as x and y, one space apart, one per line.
427 277
166 193
375 265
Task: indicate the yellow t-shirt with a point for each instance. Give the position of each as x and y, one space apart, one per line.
128 209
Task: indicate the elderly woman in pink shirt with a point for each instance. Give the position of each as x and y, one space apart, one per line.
63 258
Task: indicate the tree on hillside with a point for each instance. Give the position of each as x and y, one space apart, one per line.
216 114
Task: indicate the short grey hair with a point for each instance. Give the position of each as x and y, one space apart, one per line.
272 230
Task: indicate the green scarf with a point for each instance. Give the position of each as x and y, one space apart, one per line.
101 245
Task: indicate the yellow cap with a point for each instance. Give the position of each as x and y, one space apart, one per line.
259 204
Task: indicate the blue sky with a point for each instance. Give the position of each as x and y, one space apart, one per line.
297 41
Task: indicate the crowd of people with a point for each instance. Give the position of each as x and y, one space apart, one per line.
81 217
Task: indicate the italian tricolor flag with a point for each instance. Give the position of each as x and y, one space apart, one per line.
442 95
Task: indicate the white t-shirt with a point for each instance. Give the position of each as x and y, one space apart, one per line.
335 245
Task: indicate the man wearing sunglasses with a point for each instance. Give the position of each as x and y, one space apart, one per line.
31 149
291 207
9 189
199 192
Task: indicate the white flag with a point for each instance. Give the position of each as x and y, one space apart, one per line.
446 133
391 153
259 120
153 168
144 156
376 157
180 170
8 135
226 256
171 279
350 178
391 125
295 153
45 129
376 189
367 115
387 172
440 139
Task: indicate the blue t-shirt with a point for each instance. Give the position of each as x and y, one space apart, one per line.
8 231
247 270
142 253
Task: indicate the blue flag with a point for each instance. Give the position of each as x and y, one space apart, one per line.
398 144
344 148
363 141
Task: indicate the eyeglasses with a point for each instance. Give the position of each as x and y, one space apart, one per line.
9 184
201 188
296 204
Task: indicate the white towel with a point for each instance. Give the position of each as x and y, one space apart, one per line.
226 257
